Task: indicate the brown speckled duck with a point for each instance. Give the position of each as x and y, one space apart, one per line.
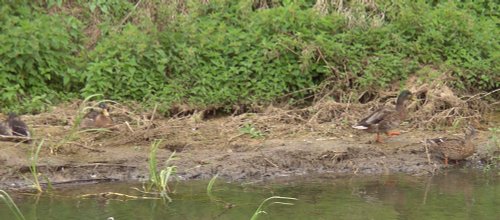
453 148
17 126
385 119
97 118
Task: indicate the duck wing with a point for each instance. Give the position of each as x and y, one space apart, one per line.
451 148
19 128
374 118
92 114
444 140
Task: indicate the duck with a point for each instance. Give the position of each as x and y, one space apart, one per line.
452 148
16 126
97 118
385 119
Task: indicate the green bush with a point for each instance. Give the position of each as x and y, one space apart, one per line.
236 55
223 53
126 65
37 57
233 56
446 34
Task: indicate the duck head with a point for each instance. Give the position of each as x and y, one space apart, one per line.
104 109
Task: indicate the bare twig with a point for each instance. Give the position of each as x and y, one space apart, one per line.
270 162
20 139
152 117
85 147
426 145
113 195
481 95
128 126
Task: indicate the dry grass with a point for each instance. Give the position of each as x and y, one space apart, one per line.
435 106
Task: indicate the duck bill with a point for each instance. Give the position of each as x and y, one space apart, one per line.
105 112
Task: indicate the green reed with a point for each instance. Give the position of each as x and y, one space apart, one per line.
264 204
5 197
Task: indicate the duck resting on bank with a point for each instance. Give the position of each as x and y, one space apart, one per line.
385 119
453 148
14 129
99 118
17 126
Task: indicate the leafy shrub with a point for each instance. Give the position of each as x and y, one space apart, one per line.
115 8
235 55
467 44
223 53
37 57
125 65
227 56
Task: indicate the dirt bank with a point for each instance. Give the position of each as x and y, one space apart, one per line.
213 145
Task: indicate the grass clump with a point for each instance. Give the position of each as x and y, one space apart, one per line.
251 130
34 166
213 198
159 179
210 186
5 197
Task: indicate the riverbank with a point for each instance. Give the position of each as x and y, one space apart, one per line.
238 148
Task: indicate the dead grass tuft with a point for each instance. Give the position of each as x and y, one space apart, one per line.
437 106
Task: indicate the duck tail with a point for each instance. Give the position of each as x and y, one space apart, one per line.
360 127
435 140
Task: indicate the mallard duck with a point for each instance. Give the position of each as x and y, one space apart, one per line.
17 126
97 118
453 148
385 119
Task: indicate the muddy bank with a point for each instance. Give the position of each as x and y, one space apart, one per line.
215 145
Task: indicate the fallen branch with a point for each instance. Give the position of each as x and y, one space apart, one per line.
270 162
114 196
15 138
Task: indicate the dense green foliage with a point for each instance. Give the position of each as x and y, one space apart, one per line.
222 53
37 56
128 65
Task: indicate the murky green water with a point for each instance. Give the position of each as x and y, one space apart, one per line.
455 195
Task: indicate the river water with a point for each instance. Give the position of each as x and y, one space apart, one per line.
454 194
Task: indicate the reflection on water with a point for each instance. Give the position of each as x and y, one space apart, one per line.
454 195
